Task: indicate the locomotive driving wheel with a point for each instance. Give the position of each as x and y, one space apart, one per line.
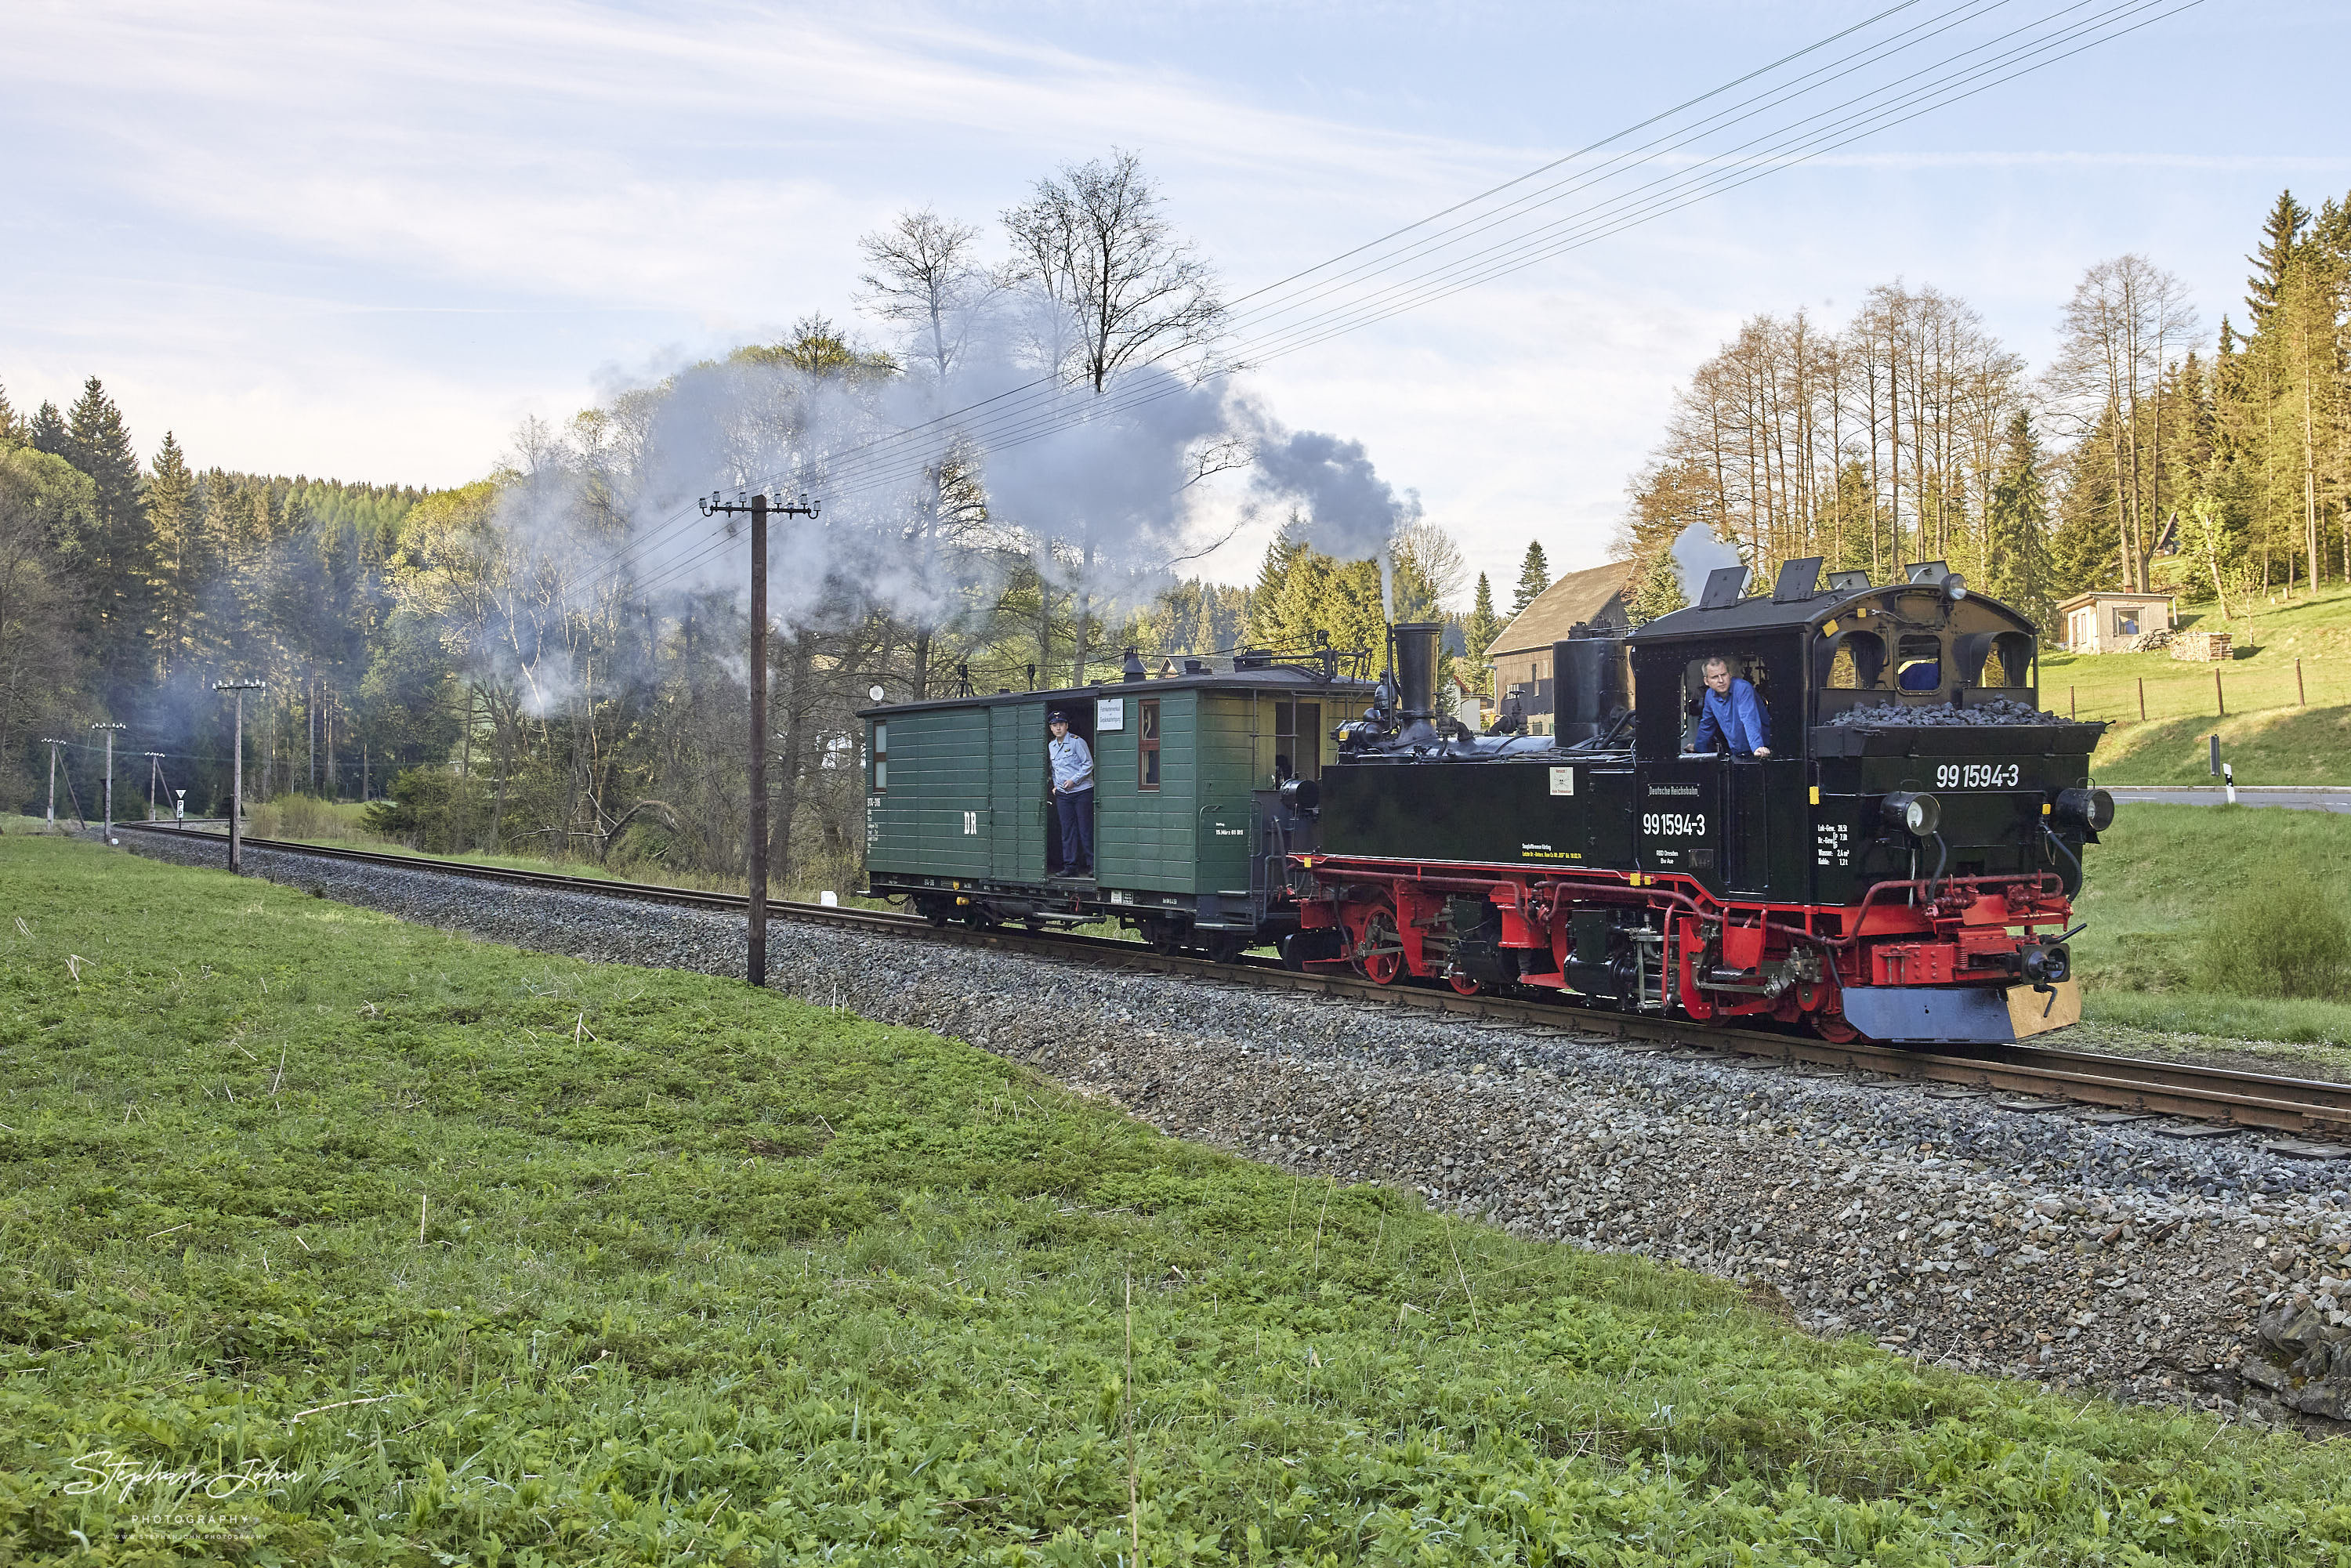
1833 1027
1379 948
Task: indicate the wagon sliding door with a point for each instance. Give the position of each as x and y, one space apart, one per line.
1016 793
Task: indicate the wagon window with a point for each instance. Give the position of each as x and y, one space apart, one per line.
881 758
1289 740
1146 744
1920 665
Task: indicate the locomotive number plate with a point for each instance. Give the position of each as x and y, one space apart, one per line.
1976 775
1674 824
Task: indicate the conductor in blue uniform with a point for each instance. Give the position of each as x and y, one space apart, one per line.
1729 718
1073 795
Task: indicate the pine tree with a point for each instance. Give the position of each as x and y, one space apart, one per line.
47 431
1272 573
2017 528
99 444
1534 575
14 432
176 522
1477 635
2281 237
1659 591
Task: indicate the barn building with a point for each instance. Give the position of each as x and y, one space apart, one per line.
1520 656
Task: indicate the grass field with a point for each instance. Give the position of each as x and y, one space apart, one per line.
2287 695
410 1249
2157 878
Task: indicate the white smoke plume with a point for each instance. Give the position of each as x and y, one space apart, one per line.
1351 513
1098 493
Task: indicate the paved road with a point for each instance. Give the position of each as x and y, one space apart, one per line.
2305 798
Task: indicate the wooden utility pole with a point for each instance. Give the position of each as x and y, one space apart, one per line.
52 744
755 966
236 774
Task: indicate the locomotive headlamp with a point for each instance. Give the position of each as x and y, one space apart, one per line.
2090 808
1916 814
1301 795
1954 587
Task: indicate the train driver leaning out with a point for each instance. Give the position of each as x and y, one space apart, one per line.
1073 795
1729 718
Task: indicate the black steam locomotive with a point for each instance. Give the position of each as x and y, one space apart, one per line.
1900 866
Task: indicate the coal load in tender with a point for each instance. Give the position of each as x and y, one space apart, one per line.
1993 710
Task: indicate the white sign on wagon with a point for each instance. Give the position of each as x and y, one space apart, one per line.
1562 780
1110 712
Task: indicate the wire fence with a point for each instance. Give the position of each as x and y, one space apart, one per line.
2199 690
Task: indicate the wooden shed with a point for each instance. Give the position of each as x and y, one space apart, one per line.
2106 619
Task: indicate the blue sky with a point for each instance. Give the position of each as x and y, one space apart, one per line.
368 242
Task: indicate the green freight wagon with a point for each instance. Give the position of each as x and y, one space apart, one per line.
1204 782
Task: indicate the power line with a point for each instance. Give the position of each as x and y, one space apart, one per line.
999 431
1040 407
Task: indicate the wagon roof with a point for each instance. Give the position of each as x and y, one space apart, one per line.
1275 678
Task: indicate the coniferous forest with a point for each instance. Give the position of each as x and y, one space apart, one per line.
551 657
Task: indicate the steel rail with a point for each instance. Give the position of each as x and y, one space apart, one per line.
2121 1083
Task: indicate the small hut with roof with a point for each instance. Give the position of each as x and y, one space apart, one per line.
1520 656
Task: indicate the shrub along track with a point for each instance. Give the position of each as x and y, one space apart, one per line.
2306 1111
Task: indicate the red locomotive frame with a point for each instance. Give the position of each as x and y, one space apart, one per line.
1722 960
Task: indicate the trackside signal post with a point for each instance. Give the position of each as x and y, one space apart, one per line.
755 968
236 774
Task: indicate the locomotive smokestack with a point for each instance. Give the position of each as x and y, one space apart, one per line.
1415 649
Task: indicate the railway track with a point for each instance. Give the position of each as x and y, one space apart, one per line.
2217 1100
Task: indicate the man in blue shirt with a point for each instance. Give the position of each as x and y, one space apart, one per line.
1073 795
1729 715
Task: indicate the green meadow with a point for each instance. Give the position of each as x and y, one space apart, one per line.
329 1240
2174 896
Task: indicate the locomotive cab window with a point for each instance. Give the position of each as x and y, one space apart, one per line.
1745 666
2011 658
881 756
1146 744
1920 664
1856 662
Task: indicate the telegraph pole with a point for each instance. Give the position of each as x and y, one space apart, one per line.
236 775
107 834
755 959
52 745
154 777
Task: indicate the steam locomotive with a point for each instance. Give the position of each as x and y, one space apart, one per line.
1900 867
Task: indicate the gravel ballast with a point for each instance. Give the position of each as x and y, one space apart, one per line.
2050 1244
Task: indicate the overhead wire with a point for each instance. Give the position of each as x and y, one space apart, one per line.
1529 250
1042 407
1041 392
1612 216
